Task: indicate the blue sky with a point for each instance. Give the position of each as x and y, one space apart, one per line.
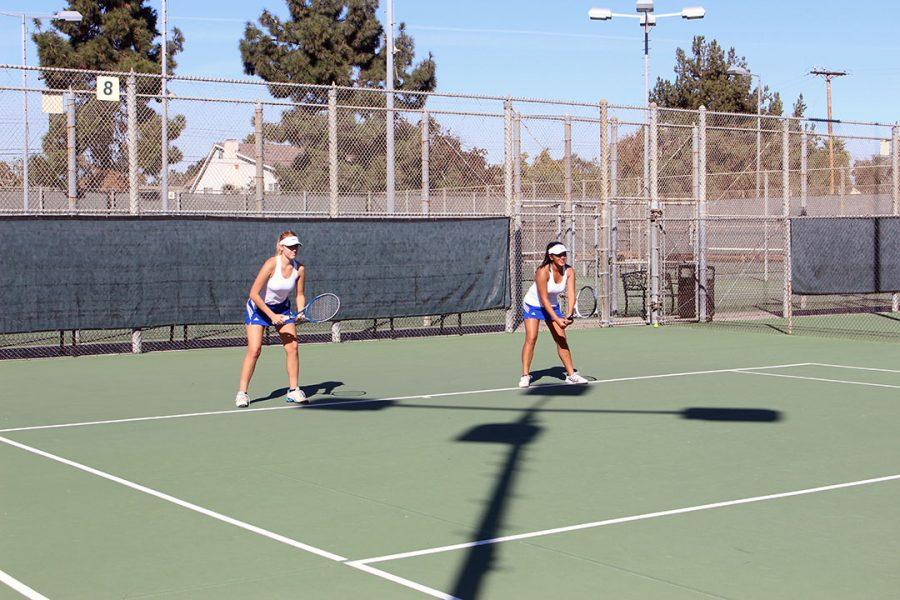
551 50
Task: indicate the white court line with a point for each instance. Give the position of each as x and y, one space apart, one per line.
653 515
406 582
188 505
20 587
396 398
33 595
852 367
881 385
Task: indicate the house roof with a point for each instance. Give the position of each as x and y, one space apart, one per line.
273 154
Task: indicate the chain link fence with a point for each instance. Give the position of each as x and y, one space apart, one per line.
671 216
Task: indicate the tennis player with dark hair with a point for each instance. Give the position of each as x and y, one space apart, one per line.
279 276
552 278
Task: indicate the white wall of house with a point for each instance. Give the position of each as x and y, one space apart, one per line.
228 170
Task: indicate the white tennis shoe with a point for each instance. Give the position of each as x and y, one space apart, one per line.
525 381
242 400
296 396
575 379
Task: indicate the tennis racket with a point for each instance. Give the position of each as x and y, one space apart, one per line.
585 303
323 307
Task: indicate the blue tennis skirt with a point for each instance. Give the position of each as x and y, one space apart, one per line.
537 312
254 316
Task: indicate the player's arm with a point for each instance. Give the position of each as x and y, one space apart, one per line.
256 290
570 292
301 293
541 277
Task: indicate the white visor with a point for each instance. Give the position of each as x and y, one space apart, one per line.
557 249
290 240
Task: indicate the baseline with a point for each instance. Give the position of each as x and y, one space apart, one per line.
882 370
844 381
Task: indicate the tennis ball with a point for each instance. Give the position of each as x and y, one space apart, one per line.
656 324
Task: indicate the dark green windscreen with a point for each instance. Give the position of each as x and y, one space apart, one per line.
123 272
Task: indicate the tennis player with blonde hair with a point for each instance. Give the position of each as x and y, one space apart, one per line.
270 305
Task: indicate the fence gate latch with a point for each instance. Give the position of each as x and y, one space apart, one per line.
655 214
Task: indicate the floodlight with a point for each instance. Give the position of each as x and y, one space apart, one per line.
600 14
693 12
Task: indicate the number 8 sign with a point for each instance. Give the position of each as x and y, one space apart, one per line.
108 88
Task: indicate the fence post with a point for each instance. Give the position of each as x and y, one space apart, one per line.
260 158
614 216
517 210
569 216
842 192
895 191
164 138
603 261
131 101
804 171
804 183
787 309
766 225
655 218
695 194
71 151
701 219
510 324
584 261
426 160
332 152
25 134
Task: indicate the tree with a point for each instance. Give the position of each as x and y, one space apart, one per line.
114 35
340 42
328 42
872 175
702 79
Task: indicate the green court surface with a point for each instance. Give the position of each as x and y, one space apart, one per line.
700 463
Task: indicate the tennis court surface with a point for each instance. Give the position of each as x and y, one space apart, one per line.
700 464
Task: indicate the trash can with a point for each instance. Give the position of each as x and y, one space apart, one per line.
688 291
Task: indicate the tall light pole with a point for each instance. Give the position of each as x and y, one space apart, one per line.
389 85
164 129
647 20
742 72
65 15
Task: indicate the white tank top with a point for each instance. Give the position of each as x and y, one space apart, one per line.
279 288
553 290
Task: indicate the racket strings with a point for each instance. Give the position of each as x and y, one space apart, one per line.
586 302
323 308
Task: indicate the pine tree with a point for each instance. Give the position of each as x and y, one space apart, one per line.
113 35
332 42
702 79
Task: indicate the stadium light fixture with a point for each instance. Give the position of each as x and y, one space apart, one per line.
693 12
647 19
73 16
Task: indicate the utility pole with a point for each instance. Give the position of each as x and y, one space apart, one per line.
829 75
